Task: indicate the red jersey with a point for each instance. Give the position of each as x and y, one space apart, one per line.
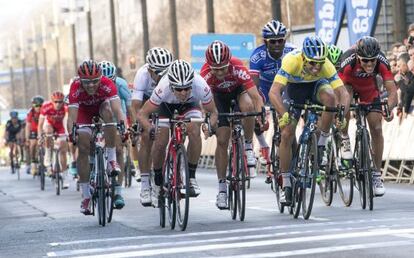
88 105
238 76
53 116
363 83
32 118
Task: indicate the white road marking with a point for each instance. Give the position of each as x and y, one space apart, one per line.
230 231
320 250
201 241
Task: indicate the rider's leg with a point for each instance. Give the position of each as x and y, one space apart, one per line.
377 142
119 149
63 150
246 105
193 151
144 156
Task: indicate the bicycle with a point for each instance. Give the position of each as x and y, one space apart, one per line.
127 157
363 155
102 185
238 173
335 175
175 190
305 165
15 163
41 165
55 165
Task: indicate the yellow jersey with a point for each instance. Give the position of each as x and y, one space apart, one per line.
292 71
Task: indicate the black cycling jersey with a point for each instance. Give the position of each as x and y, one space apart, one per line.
13 130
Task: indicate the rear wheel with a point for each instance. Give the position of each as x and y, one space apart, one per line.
242 172
110 198
168 195
368 168
360 177
325 179
277 176
56 171
182 187
233 186
101 189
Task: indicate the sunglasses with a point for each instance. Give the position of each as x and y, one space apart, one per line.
90 81
219 68
367 60
58 102
314 63
36 105
182 89
275 41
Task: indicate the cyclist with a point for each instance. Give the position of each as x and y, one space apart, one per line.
32 120
265 61
334 55
359 68
230 80
157 62
94 95
51 118
13 128
73 150
109 71
180 89
307 75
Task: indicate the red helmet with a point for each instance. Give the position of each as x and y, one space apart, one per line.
218 54
57 96
89 70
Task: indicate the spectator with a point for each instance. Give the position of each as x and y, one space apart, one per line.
411 62
395 47
410 39
402 49
405 81
393 64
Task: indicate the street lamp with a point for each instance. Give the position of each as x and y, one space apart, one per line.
34 42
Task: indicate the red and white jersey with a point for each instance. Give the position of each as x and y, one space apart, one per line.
79 98
163 93
32 118
53 116
238 76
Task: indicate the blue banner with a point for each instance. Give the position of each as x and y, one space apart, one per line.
328 19
362 18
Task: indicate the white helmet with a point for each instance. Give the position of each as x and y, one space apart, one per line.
180 74
159 59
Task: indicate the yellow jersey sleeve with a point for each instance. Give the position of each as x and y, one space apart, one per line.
329 72
289 64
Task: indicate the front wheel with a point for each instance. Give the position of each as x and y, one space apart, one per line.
182 187
308 176
168 197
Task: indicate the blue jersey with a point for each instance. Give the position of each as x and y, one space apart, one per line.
124 93
266 67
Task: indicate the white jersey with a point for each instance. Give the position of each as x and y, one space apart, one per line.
163 93
143 83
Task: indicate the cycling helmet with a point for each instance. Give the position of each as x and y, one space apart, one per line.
57 96
108 69
334 53
159 59
14 114
314 49
38 100
180 74
274 29
89 69
218 54
368 47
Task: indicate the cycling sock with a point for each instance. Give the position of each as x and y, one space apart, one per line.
222 185
286 179
323 138
135 163
73 164
248 145
262 141
145 181
118 190
158 176
86 193
192 169
111 153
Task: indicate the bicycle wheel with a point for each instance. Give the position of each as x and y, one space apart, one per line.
241 172
277 176
17 169
182 187
232 185
42 169
360 178
368 167
311 169
56 171
169 202
110 198
325 181
345 177
128 176
296 199
100 185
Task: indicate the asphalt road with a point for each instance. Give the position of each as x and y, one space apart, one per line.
41 224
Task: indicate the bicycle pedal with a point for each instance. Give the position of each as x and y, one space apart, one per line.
268 180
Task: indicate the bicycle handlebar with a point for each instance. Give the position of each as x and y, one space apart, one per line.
369 106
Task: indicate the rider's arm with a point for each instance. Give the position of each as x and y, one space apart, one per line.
343 97
144 114
275 97
211 108
392 93
256 98
72 117
40 125
135 107
117 109
28 125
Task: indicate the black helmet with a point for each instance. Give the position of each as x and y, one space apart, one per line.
14 114
37 100
368 47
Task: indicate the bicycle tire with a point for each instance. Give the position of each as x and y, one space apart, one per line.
110 198
360 178
56 171
277 177
232 186
345 181
41 168
368 170
296 199
309 182
100 185
182 182
128 176
326 175
169 198
242 171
